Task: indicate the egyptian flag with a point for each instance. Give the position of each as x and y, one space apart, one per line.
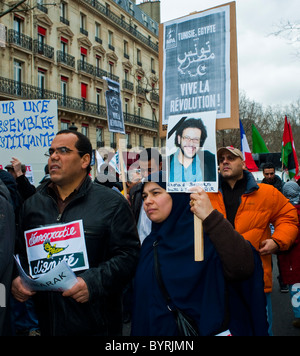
250 164
288 153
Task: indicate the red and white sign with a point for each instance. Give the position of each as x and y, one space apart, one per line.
48 246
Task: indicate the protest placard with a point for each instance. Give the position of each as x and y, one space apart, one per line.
114 107
198 71
47 246
198 66
27 128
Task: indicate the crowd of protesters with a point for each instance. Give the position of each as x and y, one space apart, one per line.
140 247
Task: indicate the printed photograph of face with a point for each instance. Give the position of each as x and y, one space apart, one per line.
191 150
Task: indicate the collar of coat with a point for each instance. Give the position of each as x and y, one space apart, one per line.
251 186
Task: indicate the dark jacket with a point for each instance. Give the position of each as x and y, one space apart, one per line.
277 183
136 201
113 248
224 291
7 243
289 261
11 185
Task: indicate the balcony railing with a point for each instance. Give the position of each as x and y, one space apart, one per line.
84 31
154 97
64 20
20 90
85 67
42 8
43 49
141 121
120 21
113 77
100 72
140 90
98 39
65 58
128 85
19 39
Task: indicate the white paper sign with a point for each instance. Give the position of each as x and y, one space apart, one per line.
48 246
27 128
59 279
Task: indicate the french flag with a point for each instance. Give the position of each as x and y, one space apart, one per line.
251 166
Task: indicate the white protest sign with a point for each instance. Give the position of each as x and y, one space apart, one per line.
47 246
27 128
59 279
29 174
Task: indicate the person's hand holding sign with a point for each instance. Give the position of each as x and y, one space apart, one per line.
79 292
19 291
201 207
200 203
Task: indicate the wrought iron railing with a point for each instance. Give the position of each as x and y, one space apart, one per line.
85 67
65 58
19 39
122 23
44 49
128 85
18 90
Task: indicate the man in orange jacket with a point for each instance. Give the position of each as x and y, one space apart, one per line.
251 207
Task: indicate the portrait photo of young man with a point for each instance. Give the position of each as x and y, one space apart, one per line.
191 162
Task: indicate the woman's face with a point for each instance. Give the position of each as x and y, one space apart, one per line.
157 202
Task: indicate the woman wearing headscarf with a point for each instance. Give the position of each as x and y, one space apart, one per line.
223 292
289 261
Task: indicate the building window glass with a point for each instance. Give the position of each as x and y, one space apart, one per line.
99 137
41 82
85 129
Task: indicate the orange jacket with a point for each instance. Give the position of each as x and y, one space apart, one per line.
261 205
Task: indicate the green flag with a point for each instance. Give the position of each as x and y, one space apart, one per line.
258 144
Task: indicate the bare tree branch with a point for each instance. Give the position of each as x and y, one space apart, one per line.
12 8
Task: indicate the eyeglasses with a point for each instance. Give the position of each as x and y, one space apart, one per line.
190 139
60 151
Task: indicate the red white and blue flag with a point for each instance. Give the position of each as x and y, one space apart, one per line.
250 164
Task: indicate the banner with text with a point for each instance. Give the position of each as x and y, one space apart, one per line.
27 128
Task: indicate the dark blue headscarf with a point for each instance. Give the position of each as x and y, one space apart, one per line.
195 287
198 288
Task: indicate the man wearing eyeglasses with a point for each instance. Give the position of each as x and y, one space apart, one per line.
190 163
93 306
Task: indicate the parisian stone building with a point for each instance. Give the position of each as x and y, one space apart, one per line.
62 49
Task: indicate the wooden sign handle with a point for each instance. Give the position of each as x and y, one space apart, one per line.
122 165
198 239
122 171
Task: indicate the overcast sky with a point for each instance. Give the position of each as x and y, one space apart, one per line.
268 69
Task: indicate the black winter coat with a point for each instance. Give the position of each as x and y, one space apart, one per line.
112 246
7 243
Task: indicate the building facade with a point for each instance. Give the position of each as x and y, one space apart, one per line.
64 50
